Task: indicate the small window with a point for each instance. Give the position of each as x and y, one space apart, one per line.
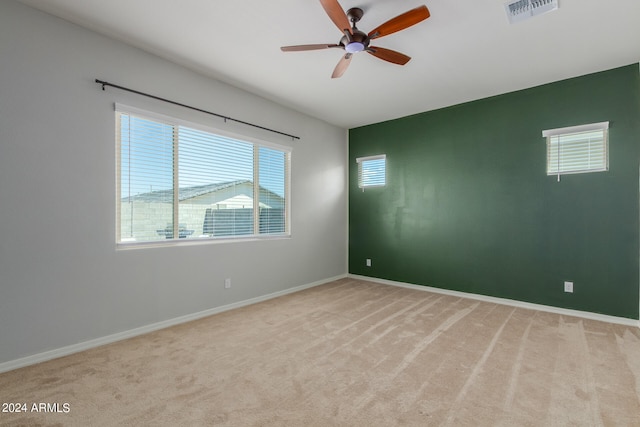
577 149
372 171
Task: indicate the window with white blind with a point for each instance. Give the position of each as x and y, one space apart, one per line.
372 171
577 149
179 181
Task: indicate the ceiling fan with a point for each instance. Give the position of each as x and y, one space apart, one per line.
355 41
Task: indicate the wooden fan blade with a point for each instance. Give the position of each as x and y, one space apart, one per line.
337 15
342 66
401 22
389 55
303 47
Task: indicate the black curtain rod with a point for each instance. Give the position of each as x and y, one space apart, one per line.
103 83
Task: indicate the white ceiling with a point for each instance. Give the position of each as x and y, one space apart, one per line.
466 50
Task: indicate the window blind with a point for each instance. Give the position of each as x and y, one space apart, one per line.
217 172
273 169
372 171
146 179
185 182
577 149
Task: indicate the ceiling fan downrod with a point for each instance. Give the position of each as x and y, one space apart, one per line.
356 40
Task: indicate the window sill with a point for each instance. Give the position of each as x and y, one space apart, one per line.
198 241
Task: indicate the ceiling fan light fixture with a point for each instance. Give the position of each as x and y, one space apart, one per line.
354 47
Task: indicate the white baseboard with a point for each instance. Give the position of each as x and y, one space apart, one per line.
86 345
505 301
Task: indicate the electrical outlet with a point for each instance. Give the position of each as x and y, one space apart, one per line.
227 283
568 286
368 262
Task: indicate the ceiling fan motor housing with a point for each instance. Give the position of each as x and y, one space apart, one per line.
356 40
359 41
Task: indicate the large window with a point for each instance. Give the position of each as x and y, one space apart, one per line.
577 149
178 180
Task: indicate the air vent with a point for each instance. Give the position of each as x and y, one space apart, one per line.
521 10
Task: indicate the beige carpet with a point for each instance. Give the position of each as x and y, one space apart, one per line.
348 353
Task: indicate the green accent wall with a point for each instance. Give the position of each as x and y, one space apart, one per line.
468 205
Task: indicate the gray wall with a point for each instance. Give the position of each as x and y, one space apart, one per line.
62 279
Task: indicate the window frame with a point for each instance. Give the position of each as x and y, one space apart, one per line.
570 131
175 122
361 161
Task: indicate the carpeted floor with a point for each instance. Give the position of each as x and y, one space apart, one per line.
348 353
